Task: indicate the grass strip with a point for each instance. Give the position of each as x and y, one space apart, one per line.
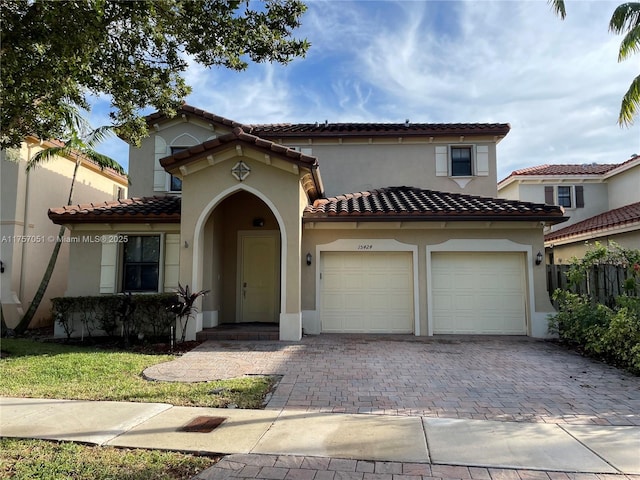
27 459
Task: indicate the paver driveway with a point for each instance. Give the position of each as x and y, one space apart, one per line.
493 378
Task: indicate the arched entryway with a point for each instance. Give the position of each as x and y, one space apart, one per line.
241 262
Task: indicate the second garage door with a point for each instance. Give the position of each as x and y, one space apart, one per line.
366 292
478 293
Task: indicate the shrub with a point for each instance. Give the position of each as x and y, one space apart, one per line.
116 314
610 333
577 316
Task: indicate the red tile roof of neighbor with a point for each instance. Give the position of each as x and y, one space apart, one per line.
570 169
131 210
327 129
409 203
613 218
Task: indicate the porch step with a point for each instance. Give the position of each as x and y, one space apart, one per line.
241 332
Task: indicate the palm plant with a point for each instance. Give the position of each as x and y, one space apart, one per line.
80 145
625 20
184 308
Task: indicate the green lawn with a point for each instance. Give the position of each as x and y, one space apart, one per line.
31 459
50 370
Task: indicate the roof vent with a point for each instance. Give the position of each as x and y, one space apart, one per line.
326 122
407 123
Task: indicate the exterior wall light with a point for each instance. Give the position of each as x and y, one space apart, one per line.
309 258
539 258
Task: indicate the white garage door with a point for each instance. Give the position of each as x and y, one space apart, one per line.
478 293
366 292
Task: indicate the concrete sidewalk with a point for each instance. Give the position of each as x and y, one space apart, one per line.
362 443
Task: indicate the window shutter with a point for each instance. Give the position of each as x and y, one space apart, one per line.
442 164
171 261
482 160
579 196
159 173
108 267
548 195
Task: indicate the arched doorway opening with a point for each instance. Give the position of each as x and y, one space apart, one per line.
241 261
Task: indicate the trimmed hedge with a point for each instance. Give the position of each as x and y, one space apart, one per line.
115 315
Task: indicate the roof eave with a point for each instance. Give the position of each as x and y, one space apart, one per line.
110 219
434 218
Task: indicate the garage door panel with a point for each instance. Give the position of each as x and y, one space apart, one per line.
375 293
478 293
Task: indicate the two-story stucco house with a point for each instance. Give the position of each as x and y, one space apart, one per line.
602 202
400 233
27 236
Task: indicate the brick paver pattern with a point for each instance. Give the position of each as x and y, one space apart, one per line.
282 467
488 378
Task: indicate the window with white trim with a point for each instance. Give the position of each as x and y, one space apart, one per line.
141 263
462 160
564 196
567 196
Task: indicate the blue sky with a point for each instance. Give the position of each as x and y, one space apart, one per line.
558 83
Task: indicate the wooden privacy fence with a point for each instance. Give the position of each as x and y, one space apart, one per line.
603 282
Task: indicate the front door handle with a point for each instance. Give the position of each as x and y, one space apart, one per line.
244 290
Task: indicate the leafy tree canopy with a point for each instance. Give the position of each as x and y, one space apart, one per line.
56 53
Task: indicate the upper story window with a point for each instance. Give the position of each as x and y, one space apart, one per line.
461 162
564 196
141 263
567 196
175 184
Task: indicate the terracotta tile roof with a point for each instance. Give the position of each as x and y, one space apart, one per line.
198 112
409 203
131 210
345 129
191 154
567 169
379 129
613 218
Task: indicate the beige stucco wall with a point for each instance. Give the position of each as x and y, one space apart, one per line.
511 191
357 165
423 235
624 188
563 254
26 199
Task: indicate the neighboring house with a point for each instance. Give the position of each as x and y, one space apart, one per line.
27 236
243 211
601 200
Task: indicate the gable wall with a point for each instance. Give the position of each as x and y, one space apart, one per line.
624 188
143 161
